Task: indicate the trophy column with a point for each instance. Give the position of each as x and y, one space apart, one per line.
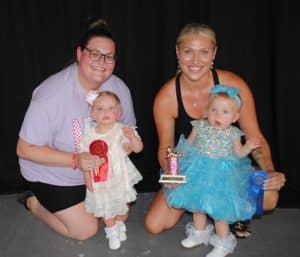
172 174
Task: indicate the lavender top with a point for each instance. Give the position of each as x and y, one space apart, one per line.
56 103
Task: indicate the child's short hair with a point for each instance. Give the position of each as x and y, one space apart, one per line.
108 93
92 96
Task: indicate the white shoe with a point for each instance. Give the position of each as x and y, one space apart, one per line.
196 237
113 236
217 252
122 230
190 242
222 246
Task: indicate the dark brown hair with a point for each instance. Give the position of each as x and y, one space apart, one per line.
95 28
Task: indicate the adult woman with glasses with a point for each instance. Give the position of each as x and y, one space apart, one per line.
49 138
185 98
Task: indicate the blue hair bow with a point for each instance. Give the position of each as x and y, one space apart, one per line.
232 92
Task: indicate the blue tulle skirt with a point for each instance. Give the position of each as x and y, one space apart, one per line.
217 187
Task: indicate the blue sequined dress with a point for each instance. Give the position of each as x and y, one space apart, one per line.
217 179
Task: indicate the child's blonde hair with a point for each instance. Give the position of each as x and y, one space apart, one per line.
107 93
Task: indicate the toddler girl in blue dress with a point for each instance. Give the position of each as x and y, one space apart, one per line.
215 163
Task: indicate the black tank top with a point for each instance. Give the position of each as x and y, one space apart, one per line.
183 121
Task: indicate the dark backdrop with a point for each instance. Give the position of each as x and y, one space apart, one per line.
255 40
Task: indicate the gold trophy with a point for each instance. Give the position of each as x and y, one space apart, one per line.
172 174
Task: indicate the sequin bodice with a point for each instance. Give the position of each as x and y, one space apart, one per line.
213 142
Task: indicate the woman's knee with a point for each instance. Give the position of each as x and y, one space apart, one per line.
86 232
156 225
160 216
152 227
79 224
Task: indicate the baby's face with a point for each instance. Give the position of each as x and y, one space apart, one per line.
222 112
106 110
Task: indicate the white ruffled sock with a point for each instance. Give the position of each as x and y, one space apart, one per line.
196 237
222 246
122 230
113 236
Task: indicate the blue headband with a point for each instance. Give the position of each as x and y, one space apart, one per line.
232 92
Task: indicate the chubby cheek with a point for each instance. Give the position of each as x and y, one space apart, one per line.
116 115
108 69
211 116
227 121
184 65
99 116
84 64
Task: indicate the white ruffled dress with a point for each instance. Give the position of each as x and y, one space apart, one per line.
111 198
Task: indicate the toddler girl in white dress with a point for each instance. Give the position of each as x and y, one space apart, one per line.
111 187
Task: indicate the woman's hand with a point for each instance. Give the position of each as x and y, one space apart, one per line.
171 185
88 162
275 181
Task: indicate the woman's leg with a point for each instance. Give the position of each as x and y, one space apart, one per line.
73 222
160 216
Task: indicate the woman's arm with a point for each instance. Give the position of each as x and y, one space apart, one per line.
46 155
249 124
165 111
43 154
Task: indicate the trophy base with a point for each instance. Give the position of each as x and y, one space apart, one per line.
179 179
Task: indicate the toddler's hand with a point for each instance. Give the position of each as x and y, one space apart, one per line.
127 148
88 181
252 144
128 132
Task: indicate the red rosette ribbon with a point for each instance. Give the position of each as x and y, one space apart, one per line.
100 148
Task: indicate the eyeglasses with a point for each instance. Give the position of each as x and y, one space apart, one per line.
95 55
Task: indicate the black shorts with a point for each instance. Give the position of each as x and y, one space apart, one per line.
57 198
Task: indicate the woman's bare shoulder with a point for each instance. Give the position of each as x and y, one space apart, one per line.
165 102
167 91
230 78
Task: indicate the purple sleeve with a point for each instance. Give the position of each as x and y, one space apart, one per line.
128 116
36 126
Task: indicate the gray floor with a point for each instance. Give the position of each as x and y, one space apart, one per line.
22 235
